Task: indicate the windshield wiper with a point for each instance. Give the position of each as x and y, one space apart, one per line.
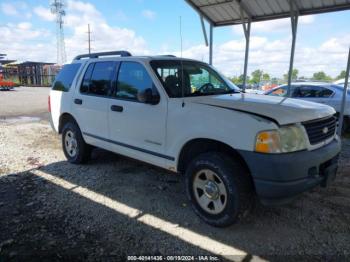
198 93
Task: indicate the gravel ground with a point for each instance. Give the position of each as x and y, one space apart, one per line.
113 207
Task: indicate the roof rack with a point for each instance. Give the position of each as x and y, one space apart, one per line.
97 55
166 56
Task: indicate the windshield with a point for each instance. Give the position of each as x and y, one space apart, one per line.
187 78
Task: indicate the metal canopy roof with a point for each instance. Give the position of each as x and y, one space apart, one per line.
5 62
228 12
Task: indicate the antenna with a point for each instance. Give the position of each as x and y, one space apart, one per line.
57 8
182 68
89 38
181 35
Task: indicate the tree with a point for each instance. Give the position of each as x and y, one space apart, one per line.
256 76
274 81
241 78
321 76
266 77
238 80
235 80
341 75
295 73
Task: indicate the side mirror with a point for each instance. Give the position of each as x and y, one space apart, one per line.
148 96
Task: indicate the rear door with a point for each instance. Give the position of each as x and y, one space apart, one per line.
60 94
137 129
90 103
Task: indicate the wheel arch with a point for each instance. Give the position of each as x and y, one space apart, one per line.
197 146
65 118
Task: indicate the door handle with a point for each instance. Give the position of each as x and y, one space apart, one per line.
116 108
78 101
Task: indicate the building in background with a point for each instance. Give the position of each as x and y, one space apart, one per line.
29 73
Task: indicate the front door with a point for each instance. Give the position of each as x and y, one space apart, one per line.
137 129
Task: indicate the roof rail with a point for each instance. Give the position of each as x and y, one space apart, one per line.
97 55
166 56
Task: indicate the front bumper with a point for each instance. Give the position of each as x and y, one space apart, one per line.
280 177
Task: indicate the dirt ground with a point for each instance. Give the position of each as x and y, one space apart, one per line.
115 207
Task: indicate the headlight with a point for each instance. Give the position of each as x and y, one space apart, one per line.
284 140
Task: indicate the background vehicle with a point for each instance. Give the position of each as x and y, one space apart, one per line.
184 116
324 93
254 91
5 85
340 82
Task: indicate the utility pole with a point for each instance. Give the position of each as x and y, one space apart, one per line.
89 38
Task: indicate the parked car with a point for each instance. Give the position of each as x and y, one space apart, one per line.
324 93
254 91
184 116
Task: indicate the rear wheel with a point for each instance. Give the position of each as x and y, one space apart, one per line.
73 144
219 188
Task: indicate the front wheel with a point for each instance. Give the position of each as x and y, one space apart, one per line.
74 147
219 188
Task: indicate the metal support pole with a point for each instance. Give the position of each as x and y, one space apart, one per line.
211 45
246 23
247 42
294 15
204 31
341 116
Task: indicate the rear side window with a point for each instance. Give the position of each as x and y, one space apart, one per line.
132 78
86 80
99 79
65 77
313 92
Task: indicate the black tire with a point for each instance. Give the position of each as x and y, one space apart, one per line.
237 181
83 150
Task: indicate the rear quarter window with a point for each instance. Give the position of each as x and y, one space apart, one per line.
65 77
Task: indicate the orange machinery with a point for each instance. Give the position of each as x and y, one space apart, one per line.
6 84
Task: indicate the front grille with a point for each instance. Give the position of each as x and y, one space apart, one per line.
316 129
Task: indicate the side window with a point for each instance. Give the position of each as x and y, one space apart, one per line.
102 78
86 80
307 91
65 77
98 79
132 79
314 92
325 92
282 91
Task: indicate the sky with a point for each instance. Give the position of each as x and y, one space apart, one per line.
152 27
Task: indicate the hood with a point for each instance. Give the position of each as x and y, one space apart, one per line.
282 110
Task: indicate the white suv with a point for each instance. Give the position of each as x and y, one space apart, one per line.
182 115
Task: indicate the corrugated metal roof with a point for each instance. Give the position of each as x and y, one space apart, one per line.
227 12
5 62
29 63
